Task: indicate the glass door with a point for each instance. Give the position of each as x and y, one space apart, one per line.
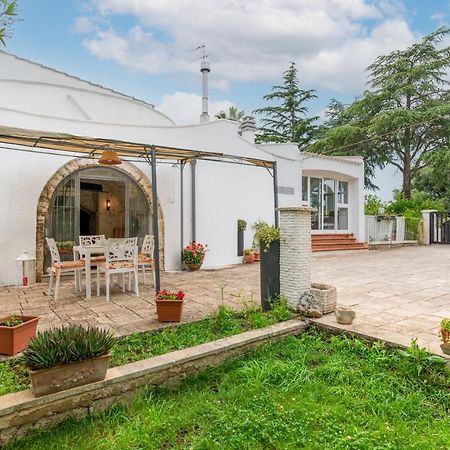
329 204
315 201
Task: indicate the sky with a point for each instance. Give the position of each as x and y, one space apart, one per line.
145 48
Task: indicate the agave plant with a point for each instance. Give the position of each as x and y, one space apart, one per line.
65 345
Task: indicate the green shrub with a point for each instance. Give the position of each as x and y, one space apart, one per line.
242 224
65 345
267 234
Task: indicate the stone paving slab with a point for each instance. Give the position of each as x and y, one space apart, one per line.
398 294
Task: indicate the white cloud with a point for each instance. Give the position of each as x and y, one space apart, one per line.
185 108
252 40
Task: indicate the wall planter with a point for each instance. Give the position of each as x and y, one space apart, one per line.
169 306
67 376
14 339
326 295
269 273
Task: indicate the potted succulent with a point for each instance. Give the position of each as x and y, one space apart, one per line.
169 306
445 336
248 256
193 255
66 357
16 332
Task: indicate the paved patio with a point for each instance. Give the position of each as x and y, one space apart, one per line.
398 294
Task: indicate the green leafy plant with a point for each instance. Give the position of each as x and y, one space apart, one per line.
248 251
65 345
242 224
65 244
13 321
445 324
267 234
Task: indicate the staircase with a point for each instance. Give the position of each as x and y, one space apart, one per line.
334 242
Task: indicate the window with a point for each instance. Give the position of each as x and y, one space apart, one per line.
343 192
305 189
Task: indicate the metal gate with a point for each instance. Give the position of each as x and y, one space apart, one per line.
440 227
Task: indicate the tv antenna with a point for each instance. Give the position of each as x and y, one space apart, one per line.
201 49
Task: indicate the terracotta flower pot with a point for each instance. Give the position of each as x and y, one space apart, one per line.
445 336
14 339
257 256
169 310
194 267
249 259
68 376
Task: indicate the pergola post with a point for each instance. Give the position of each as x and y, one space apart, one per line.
275 193
155 221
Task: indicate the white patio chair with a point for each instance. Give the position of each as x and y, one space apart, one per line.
58 267
146 257
86 241
121 258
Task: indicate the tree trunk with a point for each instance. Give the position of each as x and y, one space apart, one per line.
406 189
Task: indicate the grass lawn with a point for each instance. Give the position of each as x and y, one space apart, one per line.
226 322
312 391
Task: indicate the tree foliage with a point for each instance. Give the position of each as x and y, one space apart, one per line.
403 117
8 15
434 179
232 114
286 120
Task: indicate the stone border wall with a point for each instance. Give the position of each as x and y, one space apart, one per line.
63 172
21 412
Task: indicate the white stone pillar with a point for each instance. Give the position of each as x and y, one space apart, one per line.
400 229
426 225
295 253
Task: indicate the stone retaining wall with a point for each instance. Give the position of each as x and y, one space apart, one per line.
21 412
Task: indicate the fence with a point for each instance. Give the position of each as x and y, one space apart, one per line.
391 230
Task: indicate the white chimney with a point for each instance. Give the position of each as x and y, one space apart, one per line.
204 69
247 129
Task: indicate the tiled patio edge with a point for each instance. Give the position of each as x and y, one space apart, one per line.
21 412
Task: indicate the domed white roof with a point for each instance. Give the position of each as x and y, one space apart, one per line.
35 90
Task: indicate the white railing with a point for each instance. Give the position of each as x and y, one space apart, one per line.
388 230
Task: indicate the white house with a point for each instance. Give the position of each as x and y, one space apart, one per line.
52 193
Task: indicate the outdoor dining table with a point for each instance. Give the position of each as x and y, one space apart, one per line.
88 251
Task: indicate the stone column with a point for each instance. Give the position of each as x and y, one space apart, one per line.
295 253
400 230
426 225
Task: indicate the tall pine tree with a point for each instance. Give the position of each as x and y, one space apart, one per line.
286 120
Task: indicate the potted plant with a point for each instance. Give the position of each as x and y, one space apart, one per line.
16 332
169 306
65 246
256 253
445 336
193 255
248 256
66 357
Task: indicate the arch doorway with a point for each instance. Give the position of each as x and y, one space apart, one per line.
93 200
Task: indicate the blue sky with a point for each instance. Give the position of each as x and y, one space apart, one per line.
144 48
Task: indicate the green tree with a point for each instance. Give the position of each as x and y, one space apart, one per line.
404 116
8 15
434 179
286 120
232 114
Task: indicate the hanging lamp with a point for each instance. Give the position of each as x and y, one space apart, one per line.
110 158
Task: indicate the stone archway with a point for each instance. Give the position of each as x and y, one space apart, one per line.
69 168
